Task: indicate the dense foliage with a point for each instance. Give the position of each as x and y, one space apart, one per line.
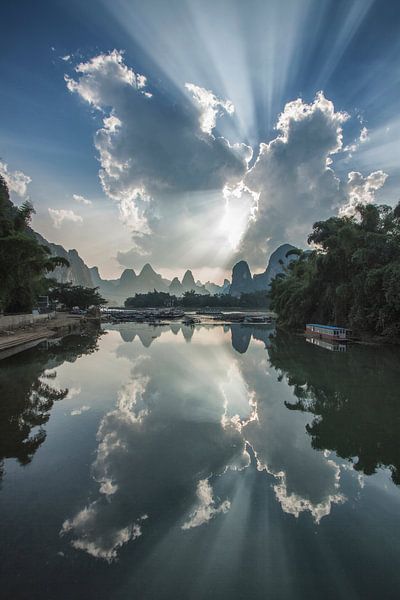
352 278
71 296
193 300
23 261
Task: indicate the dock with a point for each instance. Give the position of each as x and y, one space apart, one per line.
24 338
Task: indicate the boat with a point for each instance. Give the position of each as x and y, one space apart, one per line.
328 332
257 319
188 320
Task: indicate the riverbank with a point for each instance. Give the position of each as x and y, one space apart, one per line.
22 338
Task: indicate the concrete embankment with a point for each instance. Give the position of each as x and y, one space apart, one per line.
24 334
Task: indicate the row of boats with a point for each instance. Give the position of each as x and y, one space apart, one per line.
161 315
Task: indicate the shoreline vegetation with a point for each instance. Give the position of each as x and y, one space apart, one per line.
192 300
351 278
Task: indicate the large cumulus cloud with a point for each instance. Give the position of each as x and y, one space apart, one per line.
154 153
149 144
187 194
295 180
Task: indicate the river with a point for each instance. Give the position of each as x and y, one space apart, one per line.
206 462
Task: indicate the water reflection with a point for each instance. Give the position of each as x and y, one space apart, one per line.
353 398
194 417
159 448
190 414
27 394
332 346
241 334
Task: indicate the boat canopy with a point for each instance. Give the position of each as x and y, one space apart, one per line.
330 327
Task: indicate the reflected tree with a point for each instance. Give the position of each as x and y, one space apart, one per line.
354 398
27 394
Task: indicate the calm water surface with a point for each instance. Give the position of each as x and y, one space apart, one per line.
207 462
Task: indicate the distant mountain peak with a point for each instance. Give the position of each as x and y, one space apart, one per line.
147 270
243 281
188 279
128 274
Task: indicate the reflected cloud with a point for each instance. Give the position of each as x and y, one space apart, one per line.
307 481
206 508
187 415
80 410
85 521
294 504
153 447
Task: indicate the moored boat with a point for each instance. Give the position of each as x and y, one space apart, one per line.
328 332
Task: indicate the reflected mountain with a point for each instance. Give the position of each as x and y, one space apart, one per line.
146 332
27 394
241 336
188 331
243 333
175 328
353 397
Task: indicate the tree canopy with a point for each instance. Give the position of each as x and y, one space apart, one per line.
351 278
23 261
193 300
76 295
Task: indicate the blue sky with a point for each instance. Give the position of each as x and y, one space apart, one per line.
176 177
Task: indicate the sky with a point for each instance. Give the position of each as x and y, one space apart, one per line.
195 133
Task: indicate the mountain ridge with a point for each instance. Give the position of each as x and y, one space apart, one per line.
147 280
244 282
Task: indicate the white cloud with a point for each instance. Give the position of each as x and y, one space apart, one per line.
81 199
205 509
175 179
355 145
17 181
364 135
362 190
156 154
59 215
149 146
101 77
295 180
209 105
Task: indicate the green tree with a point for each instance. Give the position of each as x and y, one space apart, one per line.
76 295
350 279
151 299
23 261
